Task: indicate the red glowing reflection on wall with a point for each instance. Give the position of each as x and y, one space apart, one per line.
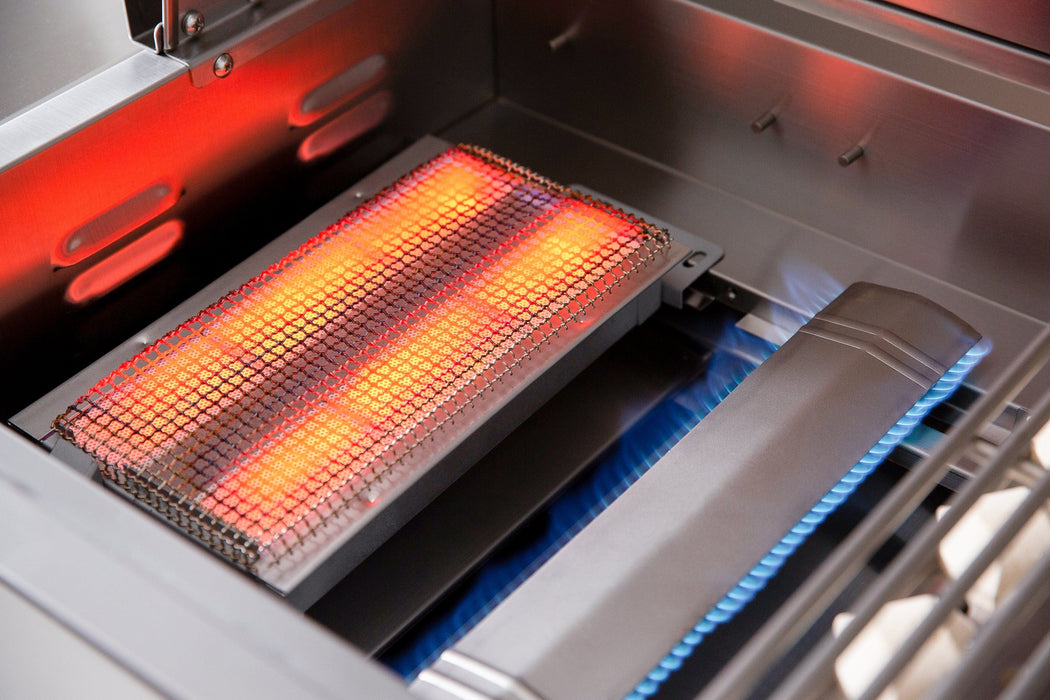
118 268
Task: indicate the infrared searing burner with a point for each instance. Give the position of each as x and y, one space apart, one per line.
277 423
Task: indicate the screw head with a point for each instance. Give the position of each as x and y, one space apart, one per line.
223 65
193 23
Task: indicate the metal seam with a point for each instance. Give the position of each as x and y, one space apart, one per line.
872 350
886 336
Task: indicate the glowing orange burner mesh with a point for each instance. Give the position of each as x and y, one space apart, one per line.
255 422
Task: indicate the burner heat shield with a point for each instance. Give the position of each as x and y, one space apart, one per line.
275 419
829 404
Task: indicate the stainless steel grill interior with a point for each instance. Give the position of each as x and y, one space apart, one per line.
170 152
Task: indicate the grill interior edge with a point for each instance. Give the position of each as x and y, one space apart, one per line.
757 167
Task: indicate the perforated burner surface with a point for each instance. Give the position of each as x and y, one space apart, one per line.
296 398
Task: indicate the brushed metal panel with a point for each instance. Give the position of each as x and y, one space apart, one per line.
765 251
925 36
952 180
47 45
1024 22
82 104
27 659
190 628
206 137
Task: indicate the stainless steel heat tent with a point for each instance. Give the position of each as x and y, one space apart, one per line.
716 503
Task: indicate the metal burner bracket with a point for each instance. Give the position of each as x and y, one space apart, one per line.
674 283
211 37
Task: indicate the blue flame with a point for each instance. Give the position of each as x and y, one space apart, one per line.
639 449
767 567
737 355
806 287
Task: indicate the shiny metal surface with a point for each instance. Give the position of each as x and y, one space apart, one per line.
349 84
650 102
169 12
193 628
851 155
591 620
461 528
80 106
821 589
813 674
765 251
163 25
242 29
1024 22
223 65
49 45
931 37
478 679
308 574
193 22
956 154
27 659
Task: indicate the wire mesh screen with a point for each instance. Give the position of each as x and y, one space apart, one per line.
286 402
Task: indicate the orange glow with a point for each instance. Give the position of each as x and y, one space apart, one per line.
339 90
290 396
274 484
113 224
118 268
219 359
355 122
517 284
